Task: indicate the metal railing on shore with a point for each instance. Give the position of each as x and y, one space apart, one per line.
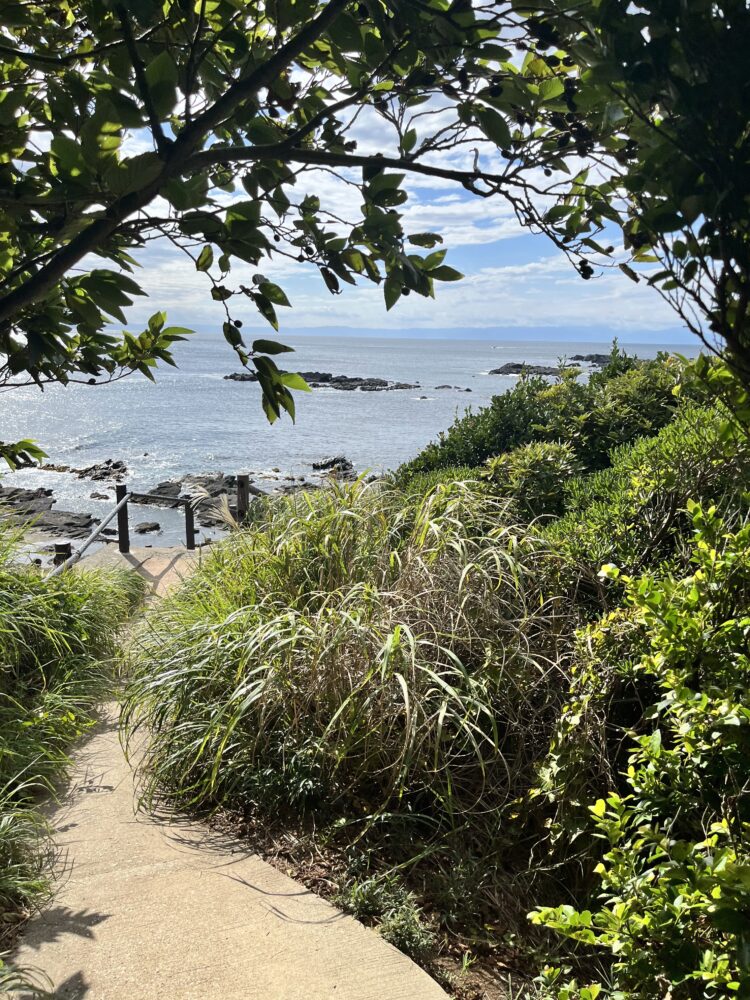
123 496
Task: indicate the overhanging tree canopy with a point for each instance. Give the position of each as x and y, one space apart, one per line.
203 122
197 120
659 111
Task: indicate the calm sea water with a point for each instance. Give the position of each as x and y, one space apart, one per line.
193 420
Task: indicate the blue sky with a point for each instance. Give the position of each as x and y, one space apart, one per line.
516 284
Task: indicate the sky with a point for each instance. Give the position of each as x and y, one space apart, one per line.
516 283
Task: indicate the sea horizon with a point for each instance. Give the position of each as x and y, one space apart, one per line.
193 420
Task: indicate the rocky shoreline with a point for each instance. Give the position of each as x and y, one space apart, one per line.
345 383
209 492
36 505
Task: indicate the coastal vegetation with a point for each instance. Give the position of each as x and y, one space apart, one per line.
57 639
596 124
502 694
481 692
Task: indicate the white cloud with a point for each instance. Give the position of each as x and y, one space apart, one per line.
545 292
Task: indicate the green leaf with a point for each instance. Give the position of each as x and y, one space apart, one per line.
162 79
445 273
205 259
494 126
409 140
392 291
295 381
427 240
274 293
626 269
131 174
271 347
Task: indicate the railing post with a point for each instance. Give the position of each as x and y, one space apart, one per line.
243 496
63 551
123 529
189 527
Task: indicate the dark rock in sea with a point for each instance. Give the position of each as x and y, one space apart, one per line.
458 388
109 469
346 383
162 495
517 368
214 483
51 467
147 527
337 464
593 359
100 496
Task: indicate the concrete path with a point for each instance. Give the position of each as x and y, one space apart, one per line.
152 909
162 568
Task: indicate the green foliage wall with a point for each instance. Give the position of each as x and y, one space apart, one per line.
672 915
626 399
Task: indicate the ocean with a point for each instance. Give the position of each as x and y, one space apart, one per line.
192 420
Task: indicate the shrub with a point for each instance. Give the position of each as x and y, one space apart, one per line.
628 398
673 912
634 514
508 421
403 691
534 475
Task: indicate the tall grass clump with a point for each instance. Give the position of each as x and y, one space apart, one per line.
389 669
53 637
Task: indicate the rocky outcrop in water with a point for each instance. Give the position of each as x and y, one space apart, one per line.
518 368
593 359
347 383
147 527
110 468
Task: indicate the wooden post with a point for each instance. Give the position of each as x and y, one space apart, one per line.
189 527
63 551
123 529
243 496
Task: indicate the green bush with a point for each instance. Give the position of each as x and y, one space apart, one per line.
508 421
534 476
634 513
628 398
395 675
672 916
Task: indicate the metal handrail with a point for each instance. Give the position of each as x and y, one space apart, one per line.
244 490
73 559
163 498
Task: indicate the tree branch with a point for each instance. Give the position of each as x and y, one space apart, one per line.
175 162
316 157
140 76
